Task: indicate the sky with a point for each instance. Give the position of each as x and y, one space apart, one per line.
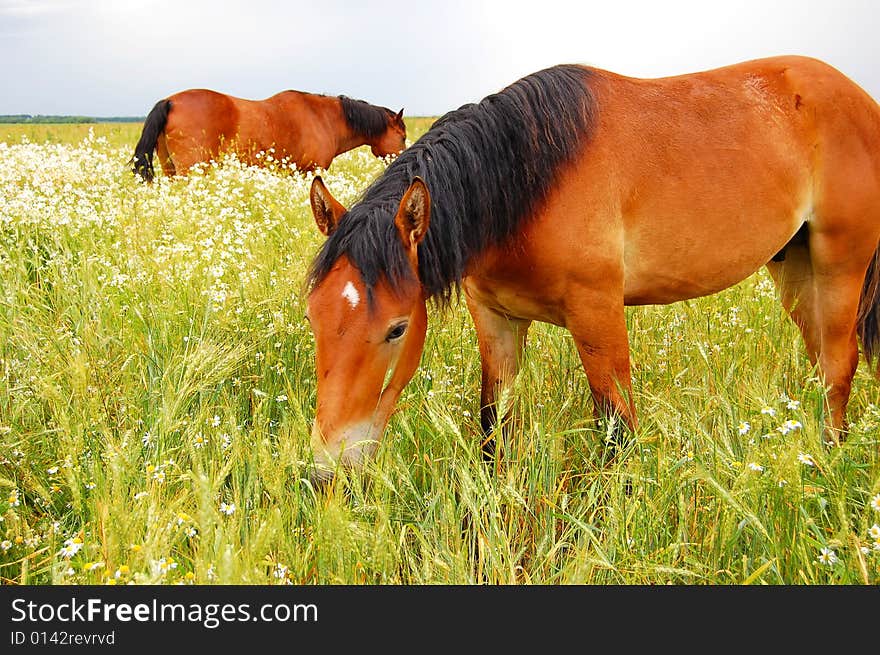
118 57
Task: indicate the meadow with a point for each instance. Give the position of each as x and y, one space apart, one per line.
157 392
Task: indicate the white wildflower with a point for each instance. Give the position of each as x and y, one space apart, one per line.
806 459
827 557
71 547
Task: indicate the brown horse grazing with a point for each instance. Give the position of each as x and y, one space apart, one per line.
199 125
574 192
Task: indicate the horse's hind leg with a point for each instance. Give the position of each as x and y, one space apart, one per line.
794 280
164 155
820 283
830 341
501 341
839 266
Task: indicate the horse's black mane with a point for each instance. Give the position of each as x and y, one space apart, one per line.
487 166
365 119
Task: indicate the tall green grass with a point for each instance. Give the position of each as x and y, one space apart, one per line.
157 392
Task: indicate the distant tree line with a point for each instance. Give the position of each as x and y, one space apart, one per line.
28 118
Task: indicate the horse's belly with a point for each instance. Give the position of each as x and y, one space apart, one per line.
668 265
674 283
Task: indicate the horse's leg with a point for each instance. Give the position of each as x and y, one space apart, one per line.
164 155
188 150
820 283
794 281
184 155
598 325
501 341
839 266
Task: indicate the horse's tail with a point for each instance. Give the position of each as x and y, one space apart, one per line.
868 325
142 161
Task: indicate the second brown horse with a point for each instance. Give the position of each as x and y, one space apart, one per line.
306 129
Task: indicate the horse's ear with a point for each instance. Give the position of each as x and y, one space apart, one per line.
326 209
414 214
399 116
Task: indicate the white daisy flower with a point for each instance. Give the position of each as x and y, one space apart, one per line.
806 459
827 557
71 547
789 426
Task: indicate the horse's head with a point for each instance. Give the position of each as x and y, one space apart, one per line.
393 140
368 341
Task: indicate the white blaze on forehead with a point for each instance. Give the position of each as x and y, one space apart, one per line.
351 294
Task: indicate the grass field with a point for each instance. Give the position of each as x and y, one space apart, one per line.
157 392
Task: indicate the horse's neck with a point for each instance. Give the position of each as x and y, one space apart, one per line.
327 119
349 141
346 138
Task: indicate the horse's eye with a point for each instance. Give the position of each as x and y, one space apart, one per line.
396 332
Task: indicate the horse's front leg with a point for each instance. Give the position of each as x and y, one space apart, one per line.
501 339
597 323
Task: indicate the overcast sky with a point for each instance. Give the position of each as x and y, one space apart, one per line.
117 57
